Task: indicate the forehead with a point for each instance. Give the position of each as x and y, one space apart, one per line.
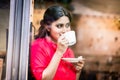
62 20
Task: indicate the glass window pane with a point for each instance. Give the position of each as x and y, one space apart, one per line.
4 23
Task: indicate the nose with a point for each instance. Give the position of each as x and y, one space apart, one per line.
64 29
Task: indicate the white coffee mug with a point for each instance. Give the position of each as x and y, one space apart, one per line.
71 37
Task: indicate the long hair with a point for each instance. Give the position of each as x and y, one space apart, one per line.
52 14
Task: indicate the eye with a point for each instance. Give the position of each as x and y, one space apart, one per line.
59 25
67 25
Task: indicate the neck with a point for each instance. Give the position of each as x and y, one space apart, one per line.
51 39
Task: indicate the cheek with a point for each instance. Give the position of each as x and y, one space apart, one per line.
69 29
55 35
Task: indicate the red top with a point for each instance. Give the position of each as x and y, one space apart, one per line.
42 51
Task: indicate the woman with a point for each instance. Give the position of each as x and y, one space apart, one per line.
51 46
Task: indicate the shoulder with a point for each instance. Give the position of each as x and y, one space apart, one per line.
38 42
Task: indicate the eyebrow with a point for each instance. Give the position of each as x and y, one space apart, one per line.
63 23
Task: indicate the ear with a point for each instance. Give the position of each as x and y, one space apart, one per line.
47 27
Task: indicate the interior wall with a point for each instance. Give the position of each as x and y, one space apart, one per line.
4 23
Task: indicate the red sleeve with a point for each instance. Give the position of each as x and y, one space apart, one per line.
37 61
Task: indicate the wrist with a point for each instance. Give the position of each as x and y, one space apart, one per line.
58 53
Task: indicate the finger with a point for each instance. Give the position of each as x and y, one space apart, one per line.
66 41
61 37
80 64
78 68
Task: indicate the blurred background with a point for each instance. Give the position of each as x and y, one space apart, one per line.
97 26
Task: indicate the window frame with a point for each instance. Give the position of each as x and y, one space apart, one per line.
18 40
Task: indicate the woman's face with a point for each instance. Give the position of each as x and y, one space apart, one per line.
59 27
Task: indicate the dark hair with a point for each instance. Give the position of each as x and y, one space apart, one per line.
52 14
